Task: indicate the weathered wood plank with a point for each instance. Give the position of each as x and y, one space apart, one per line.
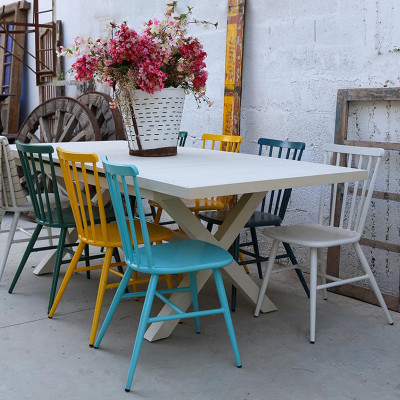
344 97
382 145
377 244
367 295
233 67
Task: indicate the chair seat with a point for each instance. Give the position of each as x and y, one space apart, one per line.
157 233
184 256
258 218
318 236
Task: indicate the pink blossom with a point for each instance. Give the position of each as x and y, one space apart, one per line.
159 56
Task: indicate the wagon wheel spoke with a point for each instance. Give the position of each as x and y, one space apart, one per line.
79 136
59 123
109 120
68 130
45 132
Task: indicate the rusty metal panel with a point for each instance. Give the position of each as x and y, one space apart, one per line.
233 67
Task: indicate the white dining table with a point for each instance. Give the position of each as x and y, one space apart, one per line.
197 173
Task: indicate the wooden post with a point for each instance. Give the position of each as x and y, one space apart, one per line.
233 67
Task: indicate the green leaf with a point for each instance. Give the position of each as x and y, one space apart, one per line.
123 69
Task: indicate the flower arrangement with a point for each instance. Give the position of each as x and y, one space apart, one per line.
160 56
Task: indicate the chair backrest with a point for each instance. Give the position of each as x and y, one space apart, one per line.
37 164
13 195
349 202
278 200
182 138
74 167
119 177
229 143
226 142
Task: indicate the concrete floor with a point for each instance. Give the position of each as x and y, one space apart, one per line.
356 355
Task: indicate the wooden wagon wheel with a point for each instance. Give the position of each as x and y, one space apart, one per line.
62 119
109 119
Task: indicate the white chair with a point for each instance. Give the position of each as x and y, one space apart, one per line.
14 200
345 228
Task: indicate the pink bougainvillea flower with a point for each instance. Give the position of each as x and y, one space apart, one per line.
161 55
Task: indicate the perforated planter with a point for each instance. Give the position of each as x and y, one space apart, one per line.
152 121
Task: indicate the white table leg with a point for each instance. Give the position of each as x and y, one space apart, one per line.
224 237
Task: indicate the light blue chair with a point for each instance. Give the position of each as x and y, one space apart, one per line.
168 258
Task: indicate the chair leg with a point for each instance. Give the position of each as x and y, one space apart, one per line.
87 261
10 239
57 265
117 259
233 287
195 300
227 315
270 264
158 215
322 270
170 281
28 251
117 298
313 292
67 277
148 302
210 226
100 293
299 272
372 280
256 250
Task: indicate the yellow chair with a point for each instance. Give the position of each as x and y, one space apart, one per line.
226 143
74 167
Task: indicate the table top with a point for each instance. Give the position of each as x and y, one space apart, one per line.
197 173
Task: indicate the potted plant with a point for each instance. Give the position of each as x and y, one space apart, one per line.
150 72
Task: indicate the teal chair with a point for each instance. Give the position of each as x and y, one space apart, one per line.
187 256
49 212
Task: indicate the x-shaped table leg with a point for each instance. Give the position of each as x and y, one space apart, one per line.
224 237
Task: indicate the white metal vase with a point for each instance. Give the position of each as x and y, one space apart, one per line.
152 121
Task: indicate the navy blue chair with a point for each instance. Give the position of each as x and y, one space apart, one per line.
272 212
186 256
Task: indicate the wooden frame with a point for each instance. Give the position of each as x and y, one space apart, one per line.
344 97
49 39
11 57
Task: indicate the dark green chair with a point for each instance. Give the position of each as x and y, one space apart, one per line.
272 212
182 138
49 212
